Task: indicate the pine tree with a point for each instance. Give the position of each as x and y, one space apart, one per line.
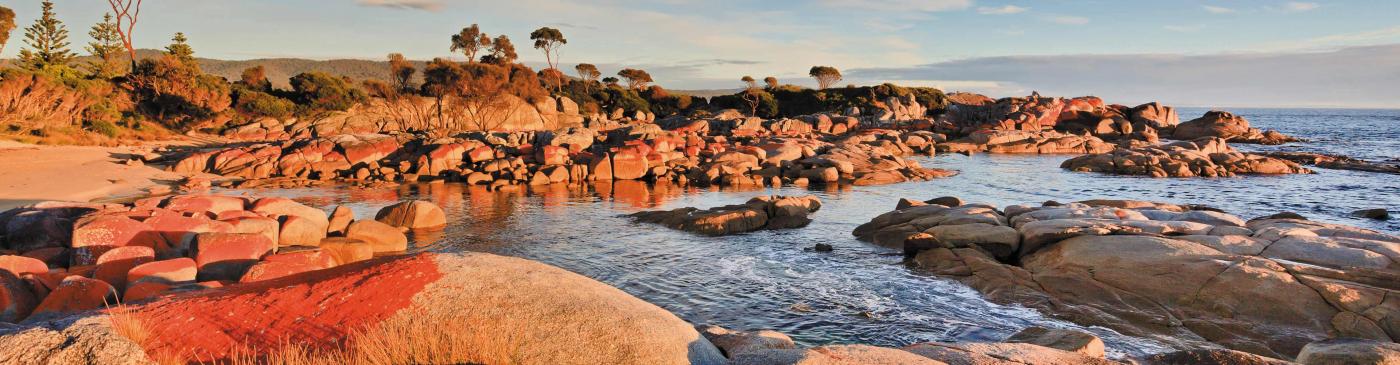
107 46
47 40
180 49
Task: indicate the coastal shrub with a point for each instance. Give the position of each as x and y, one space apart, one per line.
322 92
261 104
175 93
104 128
768 105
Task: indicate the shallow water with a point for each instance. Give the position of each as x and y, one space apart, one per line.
859 293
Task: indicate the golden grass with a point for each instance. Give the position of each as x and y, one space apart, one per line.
409 337
126 324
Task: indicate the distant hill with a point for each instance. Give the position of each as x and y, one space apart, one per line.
279 70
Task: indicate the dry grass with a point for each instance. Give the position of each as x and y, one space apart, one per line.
126 324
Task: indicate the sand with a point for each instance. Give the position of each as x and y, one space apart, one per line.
30 173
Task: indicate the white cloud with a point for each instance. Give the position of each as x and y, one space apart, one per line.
1068 20
900 5
428 5
1332 42
1217 9
1298 6
1184 28
1001 10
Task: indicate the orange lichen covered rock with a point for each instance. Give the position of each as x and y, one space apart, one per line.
77 294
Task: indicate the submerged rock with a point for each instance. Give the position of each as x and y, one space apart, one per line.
767 212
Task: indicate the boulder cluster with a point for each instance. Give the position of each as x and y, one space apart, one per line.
765 212
725 150
1204 157
406 113
1231 127
58 258
1188 276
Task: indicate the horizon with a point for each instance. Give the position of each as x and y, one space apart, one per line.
1196 54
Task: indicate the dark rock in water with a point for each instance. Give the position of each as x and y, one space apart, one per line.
906 203
1209 357
1377 214
1282 215
1204 157
1338 162
767 212
947 201
1051 203
823 247
1349 351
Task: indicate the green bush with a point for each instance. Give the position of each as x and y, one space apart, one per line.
105 128
261 104
321 91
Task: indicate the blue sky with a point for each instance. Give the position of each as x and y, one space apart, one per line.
709 44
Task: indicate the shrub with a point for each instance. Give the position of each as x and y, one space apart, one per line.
176 93
321 91
104 128
261 104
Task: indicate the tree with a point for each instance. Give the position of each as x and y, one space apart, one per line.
106 46
550 40
440 78
7 24
771 81
825 75
48 38
180 48
502 52
401 71
126 15
636 79
176 92
588 73
469 41
256 78
610 81
553 78
749 82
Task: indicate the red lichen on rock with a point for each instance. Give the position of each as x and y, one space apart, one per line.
316 309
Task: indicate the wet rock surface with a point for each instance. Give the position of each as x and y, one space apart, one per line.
1337 162
1189 277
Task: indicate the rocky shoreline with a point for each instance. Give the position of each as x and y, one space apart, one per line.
1185 275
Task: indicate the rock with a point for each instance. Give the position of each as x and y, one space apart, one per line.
413 214
832 354
1225 125
20 265
114 265
76 294
1208 157
227 256
567 317
283 207
1350 351
267 227
772 212
299 231
1001 353
94 235
1155 115
1063 339
16 300
211 204
1179 274
287 264
1377 214
168 272
823 247
947 201
380 237
339 220
179 230
1209 357
732 343
1000 241
347 250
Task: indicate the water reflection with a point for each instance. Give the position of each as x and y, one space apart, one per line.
857 294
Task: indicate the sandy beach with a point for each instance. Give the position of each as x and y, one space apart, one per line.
35 173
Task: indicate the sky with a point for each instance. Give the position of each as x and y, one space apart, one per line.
1270 53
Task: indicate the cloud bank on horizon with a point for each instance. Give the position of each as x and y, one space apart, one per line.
1196 52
